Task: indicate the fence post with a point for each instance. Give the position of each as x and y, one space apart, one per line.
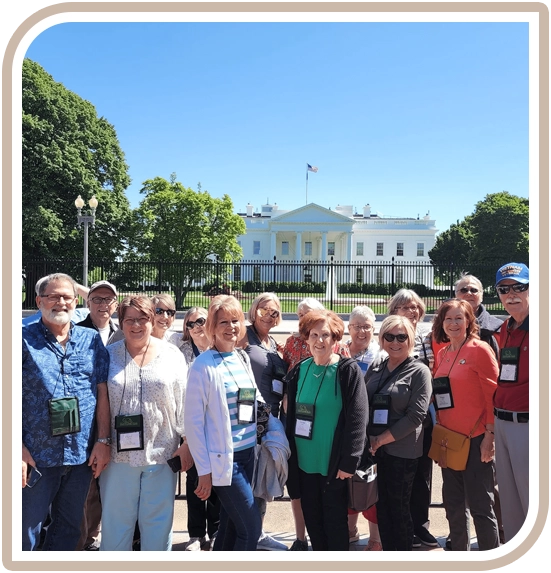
274 270
392 278
331 278
217 273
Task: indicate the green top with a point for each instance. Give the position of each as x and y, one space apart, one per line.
318 385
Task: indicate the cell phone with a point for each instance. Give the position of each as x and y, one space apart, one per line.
33 475
175 464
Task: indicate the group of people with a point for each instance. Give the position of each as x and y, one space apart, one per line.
110 415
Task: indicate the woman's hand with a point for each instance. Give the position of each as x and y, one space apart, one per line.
343 475
487 449
204 488
185 456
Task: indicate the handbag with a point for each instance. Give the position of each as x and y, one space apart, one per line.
363 491
450 449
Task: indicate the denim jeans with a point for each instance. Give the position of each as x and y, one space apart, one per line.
64 488
240 524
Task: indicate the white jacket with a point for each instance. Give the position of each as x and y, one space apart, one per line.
207 419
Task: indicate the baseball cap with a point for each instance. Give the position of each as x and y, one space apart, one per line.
516 271
102 284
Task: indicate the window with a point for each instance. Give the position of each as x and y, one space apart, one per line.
399 249
359 275
285 248
308 248
236 272
256 247
331 248
420 249
359 249
379 275
379 249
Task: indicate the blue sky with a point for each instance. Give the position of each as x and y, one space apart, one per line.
408 117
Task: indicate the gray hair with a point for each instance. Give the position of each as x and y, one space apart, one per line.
362 311
42 284
407 296
310 304
467 277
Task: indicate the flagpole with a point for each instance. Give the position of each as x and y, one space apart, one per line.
306 184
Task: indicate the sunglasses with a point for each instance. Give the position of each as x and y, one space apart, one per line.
516 288
264 311
193 323
465 290
399 337
167 311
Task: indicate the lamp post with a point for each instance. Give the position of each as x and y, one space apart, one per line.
86 220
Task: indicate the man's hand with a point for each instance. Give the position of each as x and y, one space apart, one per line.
27 460
99 458
185 456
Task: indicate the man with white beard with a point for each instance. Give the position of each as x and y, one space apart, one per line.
64 390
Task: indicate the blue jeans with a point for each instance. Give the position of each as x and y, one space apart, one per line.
64 488
240 524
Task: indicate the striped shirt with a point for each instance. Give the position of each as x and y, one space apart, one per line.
235 377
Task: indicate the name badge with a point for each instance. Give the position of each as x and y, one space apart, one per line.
304 420
277 387
380 409
64 415
442 392
129 431
363 366
508 370
245 405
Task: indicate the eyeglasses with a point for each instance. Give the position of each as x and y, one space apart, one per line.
167 311
55 298
504 289
264 311
193 323
103 300
412 308
357 327
465 290
140 321
399 337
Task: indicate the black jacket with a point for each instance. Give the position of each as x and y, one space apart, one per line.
489 326
351 431
115 333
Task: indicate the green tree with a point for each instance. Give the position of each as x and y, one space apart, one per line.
175 224
69 151
494 234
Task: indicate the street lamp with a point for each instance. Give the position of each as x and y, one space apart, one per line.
86 220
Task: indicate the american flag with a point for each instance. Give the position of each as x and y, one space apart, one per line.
312 169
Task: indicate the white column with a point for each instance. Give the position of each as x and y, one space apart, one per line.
349 255
323 246
298 247
272 245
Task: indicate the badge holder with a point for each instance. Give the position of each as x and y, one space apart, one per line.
380 409
129 433
245 405
508 359
304 420
442 391
64 415
277 387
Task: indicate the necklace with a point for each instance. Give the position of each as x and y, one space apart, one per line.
324 368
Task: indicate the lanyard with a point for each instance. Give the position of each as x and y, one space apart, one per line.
456 356
139 374
306 376
395 372
231 373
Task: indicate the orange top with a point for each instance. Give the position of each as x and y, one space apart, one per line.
473 380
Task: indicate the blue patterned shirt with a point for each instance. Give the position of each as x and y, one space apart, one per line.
51 371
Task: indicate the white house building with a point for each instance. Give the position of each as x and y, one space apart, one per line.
304 240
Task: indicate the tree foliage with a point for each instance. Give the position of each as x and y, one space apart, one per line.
175 224
494 234
69 151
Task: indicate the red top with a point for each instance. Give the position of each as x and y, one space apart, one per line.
513 396
473 378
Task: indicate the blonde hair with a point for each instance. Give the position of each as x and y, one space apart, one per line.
229 304
261 299
165 299
396 320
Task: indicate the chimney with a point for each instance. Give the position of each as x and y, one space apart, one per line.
250 209
367 211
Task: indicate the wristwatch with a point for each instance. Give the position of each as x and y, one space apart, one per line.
106 441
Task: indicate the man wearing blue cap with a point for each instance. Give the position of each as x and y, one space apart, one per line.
511 403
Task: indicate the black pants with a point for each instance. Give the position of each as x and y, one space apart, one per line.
421 492
325 509
395 479
202 517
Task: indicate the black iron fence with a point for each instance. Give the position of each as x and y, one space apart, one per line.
338 285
